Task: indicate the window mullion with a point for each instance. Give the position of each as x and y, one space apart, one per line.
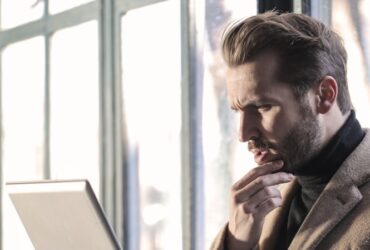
111 174
192 18
46 163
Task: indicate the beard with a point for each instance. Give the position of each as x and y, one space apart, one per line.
302 143
299 145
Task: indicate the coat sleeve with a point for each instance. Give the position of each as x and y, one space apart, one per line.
219 241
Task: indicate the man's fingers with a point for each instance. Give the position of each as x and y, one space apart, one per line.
268 168
260 183
268 205
252 205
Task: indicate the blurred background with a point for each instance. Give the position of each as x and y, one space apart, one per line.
130 94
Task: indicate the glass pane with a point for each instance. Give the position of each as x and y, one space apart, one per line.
16 12
56 6
151 90
226 160
23 126
351 21
74 107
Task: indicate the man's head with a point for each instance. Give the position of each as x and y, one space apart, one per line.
307 50
287 78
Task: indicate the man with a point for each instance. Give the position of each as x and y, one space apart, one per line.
287 80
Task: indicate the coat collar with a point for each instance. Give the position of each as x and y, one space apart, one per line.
339 197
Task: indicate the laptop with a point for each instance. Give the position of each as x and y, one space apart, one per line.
62 215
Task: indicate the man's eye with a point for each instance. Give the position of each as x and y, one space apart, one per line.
265 107
235 110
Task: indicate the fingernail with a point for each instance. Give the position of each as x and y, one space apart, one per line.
279 163
290 176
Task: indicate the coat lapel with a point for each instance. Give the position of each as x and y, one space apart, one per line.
339 197
331 207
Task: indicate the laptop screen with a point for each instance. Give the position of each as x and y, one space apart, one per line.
62 215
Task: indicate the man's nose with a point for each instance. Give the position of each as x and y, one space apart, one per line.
248 127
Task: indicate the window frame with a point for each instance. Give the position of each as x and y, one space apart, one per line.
113 169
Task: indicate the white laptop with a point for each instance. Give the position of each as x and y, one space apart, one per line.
61 215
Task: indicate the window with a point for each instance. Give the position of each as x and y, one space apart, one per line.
98 90
23 125
351 22
151 81
131 96
49 100
74 104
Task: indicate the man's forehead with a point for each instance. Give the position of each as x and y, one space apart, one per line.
242 78
246 84
240 72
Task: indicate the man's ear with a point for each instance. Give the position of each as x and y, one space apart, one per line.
326 94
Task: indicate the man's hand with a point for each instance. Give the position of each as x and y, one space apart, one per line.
252 198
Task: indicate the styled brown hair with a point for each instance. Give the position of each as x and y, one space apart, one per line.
306 48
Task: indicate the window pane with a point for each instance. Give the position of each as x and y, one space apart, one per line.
151 90
23 126
226 160
74 107
16 12
351 21
56 6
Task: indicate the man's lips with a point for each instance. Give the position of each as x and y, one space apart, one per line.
260 155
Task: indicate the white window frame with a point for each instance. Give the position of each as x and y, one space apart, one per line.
114 168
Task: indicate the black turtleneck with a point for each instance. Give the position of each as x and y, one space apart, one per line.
317 173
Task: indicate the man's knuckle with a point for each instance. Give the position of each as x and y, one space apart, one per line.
234 187
261 181
253 172
268 192
273 202
236 198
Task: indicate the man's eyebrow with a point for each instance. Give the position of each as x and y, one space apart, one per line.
252 103
240 106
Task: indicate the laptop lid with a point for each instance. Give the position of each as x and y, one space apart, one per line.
62 215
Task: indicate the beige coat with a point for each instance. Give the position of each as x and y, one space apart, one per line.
340 218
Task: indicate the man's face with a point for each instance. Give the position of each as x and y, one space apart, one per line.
272 121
